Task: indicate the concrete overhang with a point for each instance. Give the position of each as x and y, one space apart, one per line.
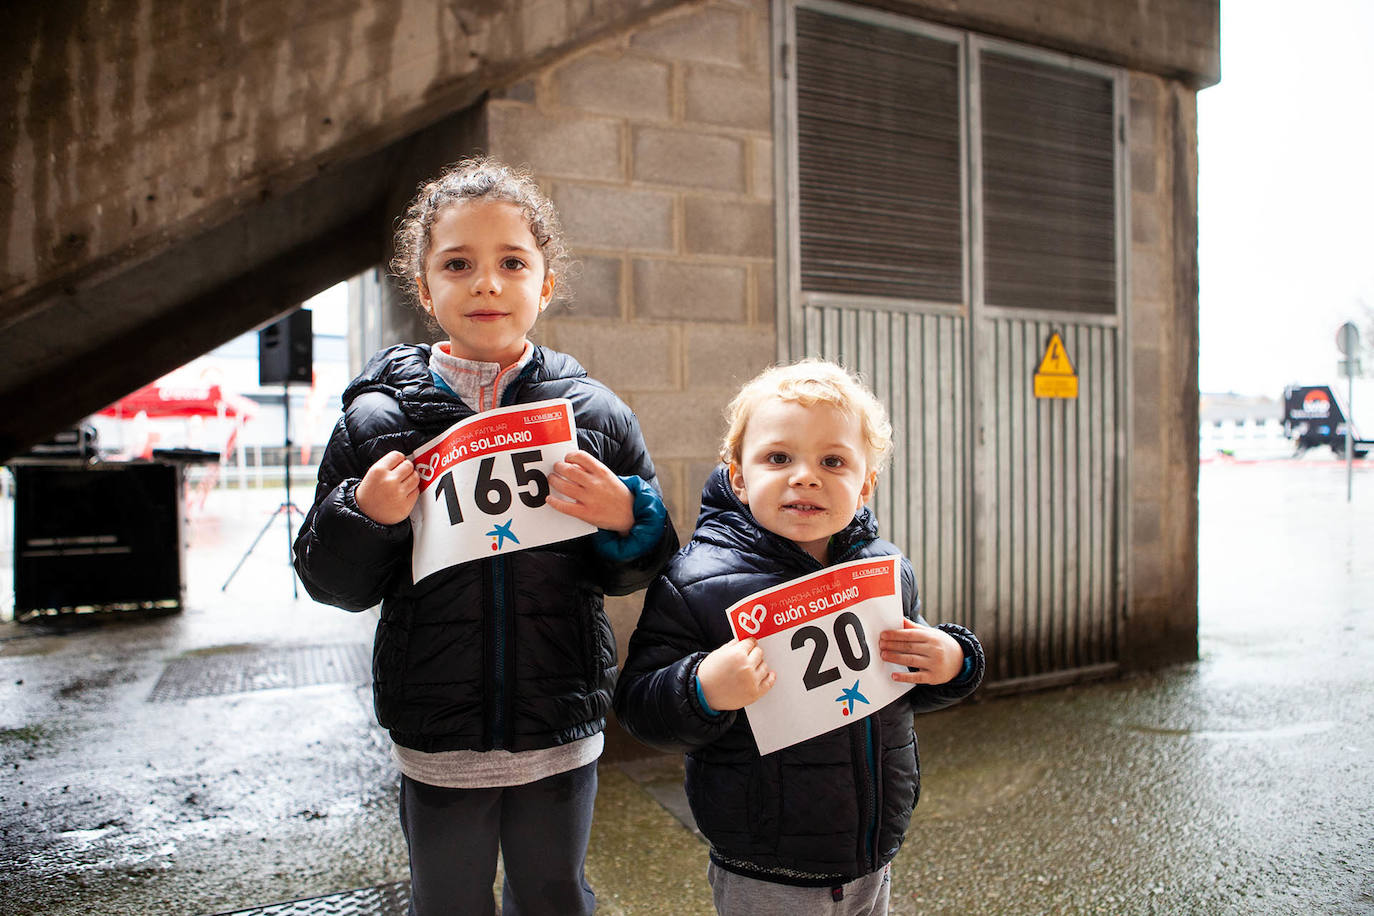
181 173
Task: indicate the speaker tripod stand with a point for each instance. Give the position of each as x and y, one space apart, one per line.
286 508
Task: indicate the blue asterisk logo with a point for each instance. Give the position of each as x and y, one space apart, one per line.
500 533
850 695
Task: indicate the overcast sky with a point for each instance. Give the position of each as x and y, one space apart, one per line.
1286 192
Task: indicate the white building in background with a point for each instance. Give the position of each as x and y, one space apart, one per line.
1241 425
256 439
1248 426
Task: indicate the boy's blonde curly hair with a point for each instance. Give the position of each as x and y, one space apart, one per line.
810 381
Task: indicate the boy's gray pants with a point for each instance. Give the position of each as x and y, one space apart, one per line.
542 829
736 895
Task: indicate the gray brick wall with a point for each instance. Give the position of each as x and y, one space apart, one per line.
656 144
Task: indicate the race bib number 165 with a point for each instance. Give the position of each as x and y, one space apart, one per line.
484 486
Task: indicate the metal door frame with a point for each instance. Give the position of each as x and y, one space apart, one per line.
982 315
792 301
787 193
947 537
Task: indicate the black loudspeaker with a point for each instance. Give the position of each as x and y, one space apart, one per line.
286 350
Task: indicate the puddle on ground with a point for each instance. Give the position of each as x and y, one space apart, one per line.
1254 734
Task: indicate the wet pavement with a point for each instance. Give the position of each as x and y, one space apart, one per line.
224 758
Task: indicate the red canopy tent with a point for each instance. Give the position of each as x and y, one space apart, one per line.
184 402
181 401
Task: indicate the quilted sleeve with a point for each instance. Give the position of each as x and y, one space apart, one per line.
656 697
930 697
343 557
621 448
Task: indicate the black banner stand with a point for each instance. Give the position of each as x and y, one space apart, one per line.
286 508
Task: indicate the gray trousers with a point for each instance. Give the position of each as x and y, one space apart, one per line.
541 828
736 895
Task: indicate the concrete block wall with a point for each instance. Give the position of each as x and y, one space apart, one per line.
656 146
1161 623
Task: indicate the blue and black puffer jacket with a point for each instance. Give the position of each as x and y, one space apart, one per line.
512 652
823 812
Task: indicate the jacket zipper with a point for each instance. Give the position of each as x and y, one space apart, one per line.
870 761
866 788
490 660
871 758
501 606
498 582
868 793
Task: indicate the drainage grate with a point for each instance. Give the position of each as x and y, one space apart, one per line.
239 672
383 900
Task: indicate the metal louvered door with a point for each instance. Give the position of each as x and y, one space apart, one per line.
1047 203
916 364
880 283
947 203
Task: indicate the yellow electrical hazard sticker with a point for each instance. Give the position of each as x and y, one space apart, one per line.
1055 378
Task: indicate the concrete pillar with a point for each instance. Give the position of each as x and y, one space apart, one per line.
1161 623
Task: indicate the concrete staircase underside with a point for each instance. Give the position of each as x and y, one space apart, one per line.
183 175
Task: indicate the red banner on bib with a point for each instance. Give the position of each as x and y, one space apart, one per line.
814 596
539 425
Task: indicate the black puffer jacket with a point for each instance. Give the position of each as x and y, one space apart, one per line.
513 652
816 813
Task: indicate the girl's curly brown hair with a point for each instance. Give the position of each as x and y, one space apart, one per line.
478 178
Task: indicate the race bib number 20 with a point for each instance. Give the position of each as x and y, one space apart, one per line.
484 486
820 635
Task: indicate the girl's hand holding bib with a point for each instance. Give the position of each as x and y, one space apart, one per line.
586 489
389 489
